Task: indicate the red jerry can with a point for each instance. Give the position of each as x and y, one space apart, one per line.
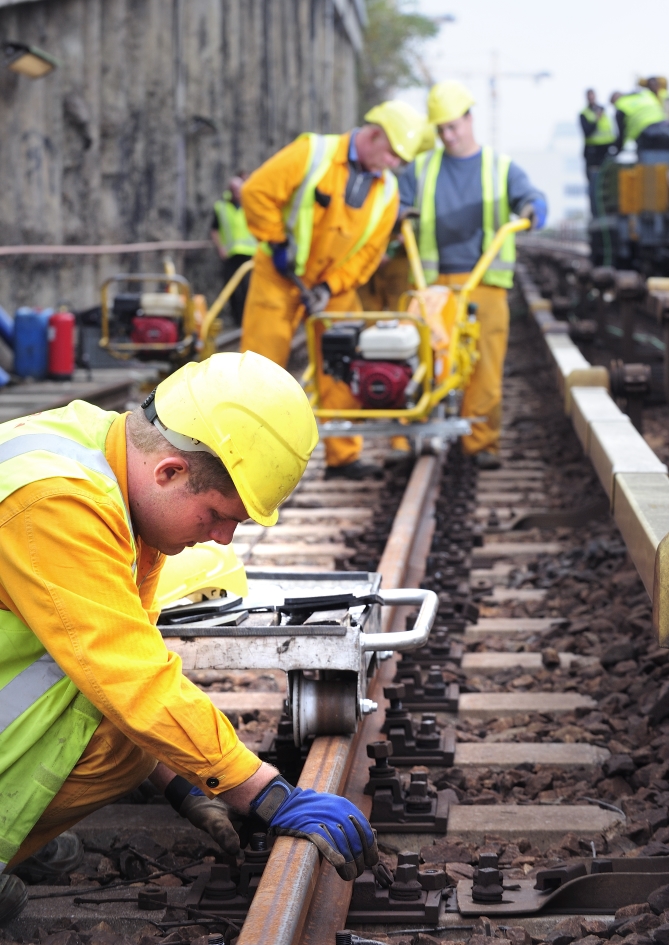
61 345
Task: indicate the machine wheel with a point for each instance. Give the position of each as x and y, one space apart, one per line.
323 706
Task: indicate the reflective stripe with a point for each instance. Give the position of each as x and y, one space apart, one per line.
418 202
427 173
382 199
61 446
494 183
70 449
27 687
316 158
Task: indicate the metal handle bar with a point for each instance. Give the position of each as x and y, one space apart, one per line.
488 258
405 639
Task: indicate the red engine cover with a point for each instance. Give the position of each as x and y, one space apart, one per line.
380 385
151 331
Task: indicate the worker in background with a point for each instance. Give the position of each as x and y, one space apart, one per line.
324 208
233 240
641 117
658 86
599 136
91 700
463 194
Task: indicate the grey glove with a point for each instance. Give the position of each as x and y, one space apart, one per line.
316 299
212 817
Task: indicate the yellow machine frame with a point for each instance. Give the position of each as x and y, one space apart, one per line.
128 349
196 341
462 349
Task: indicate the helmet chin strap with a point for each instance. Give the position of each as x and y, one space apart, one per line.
179 440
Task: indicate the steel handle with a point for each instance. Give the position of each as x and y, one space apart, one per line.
405 639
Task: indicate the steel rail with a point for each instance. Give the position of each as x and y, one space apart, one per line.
280 907
403 561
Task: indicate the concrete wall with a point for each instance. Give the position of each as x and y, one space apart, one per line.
155 104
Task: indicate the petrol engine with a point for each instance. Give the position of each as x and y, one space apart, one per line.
377 362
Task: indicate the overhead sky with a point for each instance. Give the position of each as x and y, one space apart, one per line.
582 43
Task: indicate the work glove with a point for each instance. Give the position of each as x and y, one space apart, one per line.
204 813
284 256
536 212
316 299
333 824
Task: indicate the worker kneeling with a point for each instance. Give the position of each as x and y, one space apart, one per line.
91 701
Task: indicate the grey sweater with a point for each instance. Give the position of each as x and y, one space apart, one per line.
459 207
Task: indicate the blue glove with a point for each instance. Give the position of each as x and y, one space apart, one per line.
536 212
333 824
284 256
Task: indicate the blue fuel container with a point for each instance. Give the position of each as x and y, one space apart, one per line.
31 343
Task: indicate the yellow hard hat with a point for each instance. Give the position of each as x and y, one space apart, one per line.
403 125
249 412
428 140
203 570
447 101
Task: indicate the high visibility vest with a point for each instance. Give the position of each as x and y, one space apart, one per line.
298 214
640 109
603 133
494 179
234 234
45 722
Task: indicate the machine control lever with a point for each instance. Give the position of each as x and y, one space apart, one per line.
404 639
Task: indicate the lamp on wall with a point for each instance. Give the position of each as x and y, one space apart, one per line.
29 60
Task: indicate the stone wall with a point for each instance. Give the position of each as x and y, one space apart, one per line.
154 105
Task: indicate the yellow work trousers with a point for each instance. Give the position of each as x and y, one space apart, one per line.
483 396
110 767
272 315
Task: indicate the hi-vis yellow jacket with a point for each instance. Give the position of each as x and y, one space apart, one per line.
77 615
335 254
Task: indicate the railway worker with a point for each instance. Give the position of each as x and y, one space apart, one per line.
463 194
234 242
91 701
324 208
598 135
641 117
658 86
